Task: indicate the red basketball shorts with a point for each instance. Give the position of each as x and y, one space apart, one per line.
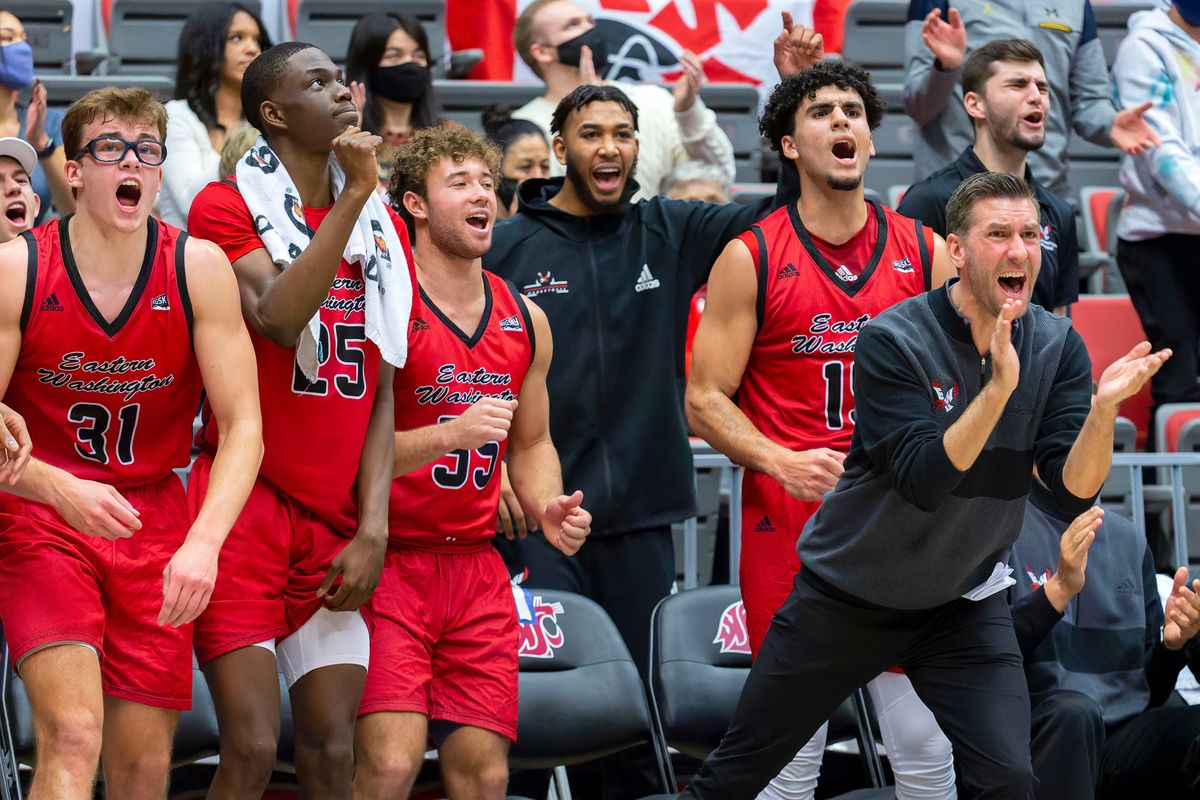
444 639
59 585
771 524
270 568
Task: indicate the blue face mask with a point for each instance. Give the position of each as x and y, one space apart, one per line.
16 64
1189 10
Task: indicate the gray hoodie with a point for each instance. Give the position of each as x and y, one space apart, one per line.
1159 62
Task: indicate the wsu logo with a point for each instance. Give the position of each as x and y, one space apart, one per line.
543 636
732 634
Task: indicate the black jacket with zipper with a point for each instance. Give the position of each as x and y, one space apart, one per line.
616 289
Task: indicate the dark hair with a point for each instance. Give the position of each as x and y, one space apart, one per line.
586 94
978 66
503 129
367 43
779 116
202 55
262 79
984 186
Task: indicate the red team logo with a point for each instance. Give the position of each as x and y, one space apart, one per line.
540 638
732 634
945 397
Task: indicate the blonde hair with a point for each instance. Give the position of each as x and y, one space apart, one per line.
524 34
135 104
236 144
430 145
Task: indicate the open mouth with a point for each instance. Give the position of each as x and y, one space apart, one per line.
1034 118
17 213
845 150
129 194
608 179
1012 283
478 221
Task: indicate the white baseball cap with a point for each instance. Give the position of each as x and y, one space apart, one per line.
20 151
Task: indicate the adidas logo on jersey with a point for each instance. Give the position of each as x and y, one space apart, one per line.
160 303
512 323
51 303
764 526
787 271
418 324
645 280
845 275
903 265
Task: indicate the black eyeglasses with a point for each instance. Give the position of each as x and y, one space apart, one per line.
111 149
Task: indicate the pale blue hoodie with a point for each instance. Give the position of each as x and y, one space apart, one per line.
1159 62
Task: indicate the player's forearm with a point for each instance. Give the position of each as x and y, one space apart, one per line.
296 294
235 466
715 418
375 466
966 438
535 474
1090 458
420 446
41 483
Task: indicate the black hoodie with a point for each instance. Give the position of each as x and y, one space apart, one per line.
616 289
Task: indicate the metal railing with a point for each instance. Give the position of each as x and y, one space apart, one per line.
708 458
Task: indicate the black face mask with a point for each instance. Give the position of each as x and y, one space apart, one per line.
403 83
506 190
570 51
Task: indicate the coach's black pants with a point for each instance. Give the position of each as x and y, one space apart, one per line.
1155 754
962 659
1164 285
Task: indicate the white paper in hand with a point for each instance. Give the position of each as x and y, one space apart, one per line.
998 581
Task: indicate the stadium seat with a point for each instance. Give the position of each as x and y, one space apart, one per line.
580 694
751 192
896 193
144 34
62 90
1177 430
699 660
48 28
874 38
1110 328
1098 207
329 23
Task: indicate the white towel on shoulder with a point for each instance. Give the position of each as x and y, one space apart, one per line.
278 215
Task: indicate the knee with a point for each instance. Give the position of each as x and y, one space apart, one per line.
249 750
332 752
488 781
1070 713
387 774
72 735
143 773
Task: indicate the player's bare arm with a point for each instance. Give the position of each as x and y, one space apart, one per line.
17 445
279 303
486 421
943 268
533 466
360 562
719 356
95 509
1090 458
226 360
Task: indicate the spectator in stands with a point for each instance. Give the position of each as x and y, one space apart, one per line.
217 43
20 206
236 144
558 41
387 64
1007 97
523 151
936 44
1159 228
695 180
32 121
1101 659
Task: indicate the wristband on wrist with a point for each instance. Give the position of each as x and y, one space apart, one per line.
48 151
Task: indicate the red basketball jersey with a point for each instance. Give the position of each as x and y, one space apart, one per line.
107 401
451 504
796 388
313 432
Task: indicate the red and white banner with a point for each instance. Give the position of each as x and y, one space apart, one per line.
646 37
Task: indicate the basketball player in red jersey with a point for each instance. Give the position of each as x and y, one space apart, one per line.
318 512
110 322
444 638
786 301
